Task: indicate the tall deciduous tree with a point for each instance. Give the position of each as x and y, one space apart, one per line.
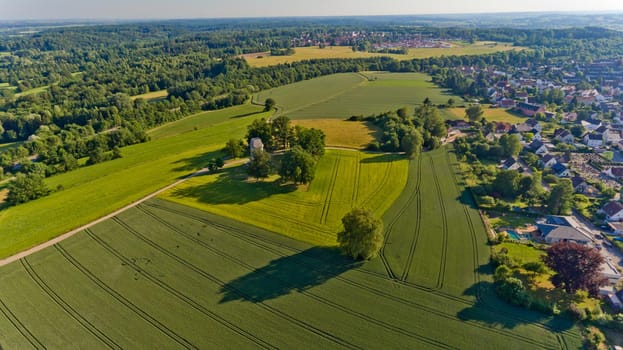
577 267
511 146
506 183
260 128
561 197
411 143
362 236
269 104
311 140
281 131
297 165
260 165
25 188
234 148
474 112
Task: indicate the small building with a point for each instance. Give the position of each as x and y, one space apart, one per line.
563 228
548 161
563 135
255 144
530 109
593 140
613 211
615 172
579 184
538 147
560 170
534 124
512 163
502 127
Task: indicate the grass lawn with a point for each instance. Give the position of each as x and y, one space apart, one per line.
510 220
342 133
93 191
152 96
344 179
263 59
343 95
491 114
6 146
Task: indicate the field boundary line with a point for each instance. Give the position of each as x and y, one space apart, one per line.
64 236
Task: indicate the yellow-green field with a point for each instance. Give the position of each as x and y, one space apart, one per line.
344 179
342 133
263 59
154 95
491 114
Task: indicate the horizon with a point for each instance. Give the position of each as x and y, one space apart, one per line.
142 10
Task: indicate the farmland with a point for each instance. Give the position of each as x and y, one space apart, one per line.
341 133
343 179
152 96
490 114
343 95
94 191
169 276
263 59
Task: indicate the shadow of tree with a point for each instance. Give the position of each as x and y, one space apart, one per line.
293 273
232 187
382 158
197 162
467 198
246 115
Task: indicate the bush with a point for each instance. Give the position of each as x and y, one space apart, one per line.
513 291
576 313
535 266
373 146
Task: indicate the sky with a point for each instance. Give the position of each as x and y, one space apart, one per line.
160 9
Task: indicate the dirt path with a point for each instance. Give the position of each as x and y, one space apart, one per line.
64 236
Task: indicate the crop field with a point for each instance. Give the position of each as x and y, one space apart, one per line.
342 133
94 191
264 59
490 114
164 275
343 95
152 96
312 214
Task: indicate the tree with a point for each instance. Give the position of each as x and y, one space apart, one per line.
511 146
561 197
450 102
215 164
269 104
260 128
403 113
234 148
280 130
577 267
411 143
297 165
25 188
362 236
474 112
506 183
260 165
311 140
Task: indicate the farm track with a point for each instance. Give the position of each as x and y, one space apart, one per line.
357 179
225 286
376 191
418 224
68 308
268 245
124 301
327 202
185 299
307 293
444 216
21 328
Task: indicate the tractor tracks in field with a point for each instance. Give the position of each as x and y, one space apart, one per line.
124 301
271 247
327 202
21 328
73 313
444 220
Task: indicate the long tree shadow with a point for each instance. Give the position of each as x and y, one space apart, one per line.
232 187
382 158
197 162
288 274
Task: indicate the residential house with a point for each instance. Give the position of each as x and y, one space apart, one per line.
538 147
530 109
563 228
569 118
512 164
560 170
611 136
579 184
458 124
613 211
563 135
591 124
506 103
615 172
502 127
548 161
522 96
550 115
611 273
593 140
534 124
616 227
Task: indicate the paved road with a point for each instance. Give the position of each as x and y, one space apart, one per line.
64 236
609 253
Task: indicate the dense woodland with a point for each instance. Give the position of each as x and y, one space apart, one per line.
68 91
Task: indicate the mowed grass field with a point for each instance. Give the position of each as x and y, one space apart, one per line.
342 133
151 96
168 276
344 179
94 191
490 114
340 96
263 59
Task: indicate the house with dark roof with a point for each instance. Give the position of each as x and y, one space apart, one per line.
615 172
579 184
534 124
593 140
563 135
560 170
613 211
458 124
502 127
569 118
563 228
538 147
530 109
548 161
512 163
591 124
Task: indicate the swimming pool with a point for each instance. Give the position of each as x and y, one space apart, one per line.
513 235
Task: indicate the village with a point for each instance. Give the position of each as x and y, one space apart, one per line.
572 130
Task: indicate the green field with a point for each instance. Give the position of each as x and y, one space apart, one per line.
152 96
344 179
344 95
490 114
94 191
343 133
163 275
263 59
